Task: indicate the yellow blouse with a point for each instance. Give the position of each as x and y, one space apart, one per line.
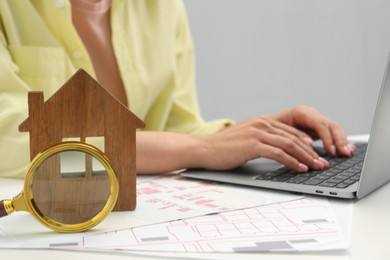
40 49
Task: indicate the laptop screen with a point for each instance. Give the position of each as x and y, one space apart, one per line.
376 168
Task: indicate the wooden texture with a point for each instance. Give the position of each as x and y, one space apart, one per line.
69 199
3 212
83 108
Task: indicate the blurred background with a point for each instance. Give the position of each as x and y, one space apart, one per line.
258 57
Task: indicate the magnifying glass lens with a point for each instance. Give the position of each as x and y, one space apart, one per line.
70 187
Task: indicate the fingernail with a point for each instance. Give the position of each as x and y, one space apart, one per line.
333 150
324 161
302 167
352 148
318 164
308 139
347 150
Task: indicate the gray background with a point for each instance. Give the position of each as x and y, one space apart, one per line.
258 57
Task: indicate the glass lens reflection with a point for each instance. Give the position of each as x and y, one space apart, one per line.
70 187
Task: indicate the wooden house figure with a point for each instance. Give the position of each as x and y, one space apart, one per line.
82 108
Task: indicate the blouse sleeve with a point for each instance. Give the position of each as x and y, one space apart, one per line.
14 148
185 115
29 61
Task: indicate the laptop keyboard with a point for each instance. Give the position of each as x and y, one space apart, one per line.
341 173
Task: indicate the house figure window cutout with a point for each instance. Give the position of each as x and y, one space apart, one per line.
83 108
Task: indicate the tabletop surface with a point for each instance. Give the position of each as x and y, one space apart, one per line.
370 228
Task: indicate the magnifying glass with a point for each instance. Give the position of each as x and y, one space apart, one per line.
70 187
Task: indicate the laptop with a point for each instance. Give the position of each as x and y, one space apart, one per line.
349 178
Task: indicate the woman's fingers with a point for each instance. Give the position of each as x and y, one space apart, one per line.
291 151
263 137
331 133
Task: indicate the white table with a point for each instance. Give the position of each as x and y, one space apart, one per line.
369 237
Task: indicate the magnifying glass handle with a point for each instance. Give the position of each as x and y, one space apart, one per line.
6 208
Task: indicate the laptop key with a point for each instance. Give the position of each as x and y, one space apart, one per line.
263 177
310 174
283 178
329 173
323 177
342 185
355 178
298 179
328 183
313 181
350 181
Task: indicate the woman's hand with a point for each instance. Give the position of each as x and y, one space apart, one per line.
310 121
261 137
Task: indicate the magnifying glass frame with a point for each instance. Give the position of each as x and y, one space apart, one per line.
25 200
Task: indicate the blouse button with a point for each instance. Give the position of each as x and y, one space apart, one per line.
76 54
60 3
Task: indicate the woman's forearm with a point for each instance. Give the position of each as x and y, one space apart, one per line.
160 152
